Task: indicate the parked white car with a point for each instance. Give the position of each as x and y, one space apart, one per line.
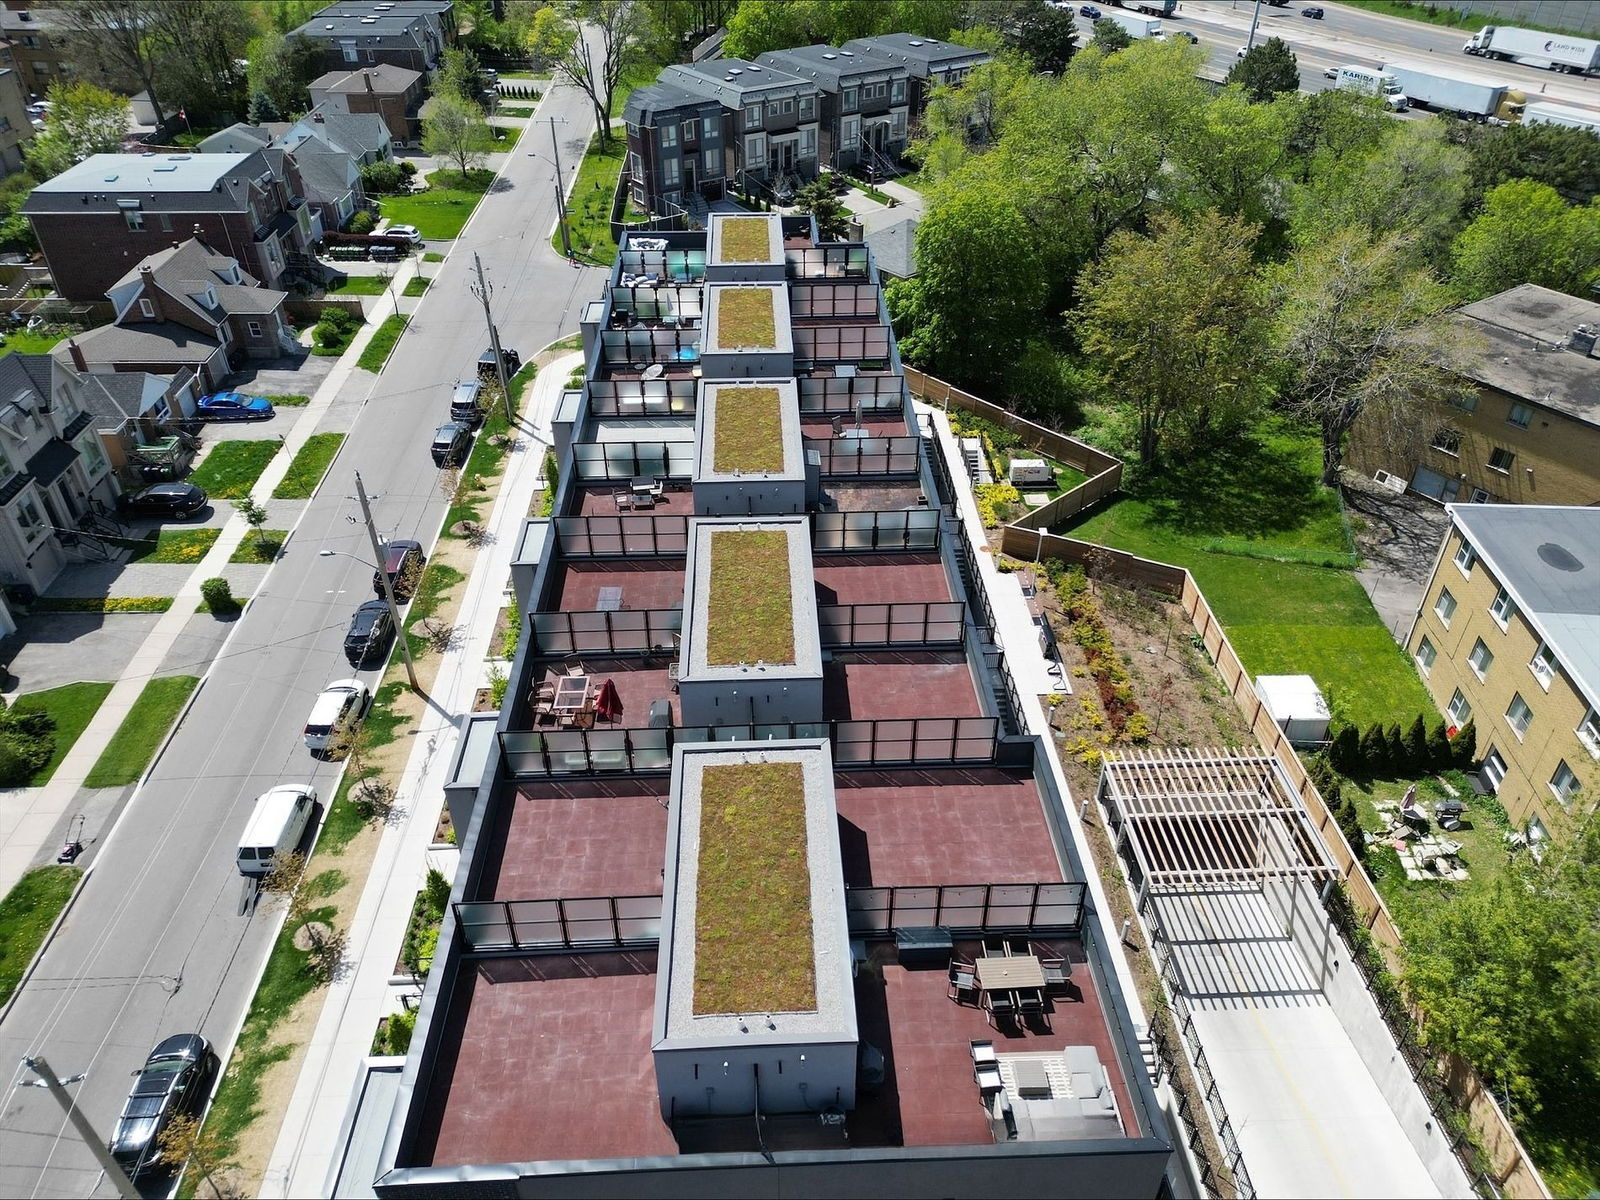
336 714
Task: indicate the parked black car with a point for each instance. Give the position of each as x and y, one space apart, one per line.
1313 11
510 357
451 441
165 500
176 1079
402 563
369 634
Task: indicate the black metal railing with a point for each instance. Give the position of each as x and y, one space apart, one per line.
624 631
871 455
894 529
967 567
639 535
862 626
923 741
642 397
942 481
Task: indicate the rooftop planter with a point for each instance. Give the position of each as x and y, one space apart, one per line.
746 239
750 610
749 431
745 319
753 934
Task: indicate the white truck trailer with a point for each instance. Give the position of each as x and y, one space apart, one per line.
1441 91
1372 81
1137 25
1560 114
1535 48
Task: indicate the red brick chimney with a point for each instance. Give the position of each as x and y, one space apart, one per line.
78 360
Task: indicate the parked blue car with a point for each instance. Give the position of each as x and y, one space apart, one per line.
234 406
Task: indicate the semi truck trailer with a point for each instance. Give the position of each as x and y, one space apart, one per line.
1138 26
1370 81
1559 114
1475 99
1535 48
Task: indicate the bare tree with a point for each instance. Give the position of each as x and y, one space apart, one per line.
617 25
114 34
454 128
184 1140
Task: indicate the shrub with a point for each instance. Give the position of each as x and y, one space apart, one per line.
1374 750
437 889
397 1033
994 502
1417 756
362 222
408 168
1440 756
1465 746
1396 742
1344 754
384 179
218 595
27 742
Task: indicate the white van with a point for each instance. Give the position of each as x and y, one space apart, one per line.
338 710
277 823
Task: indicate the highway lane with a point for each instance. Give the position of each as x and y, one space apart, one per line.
155 945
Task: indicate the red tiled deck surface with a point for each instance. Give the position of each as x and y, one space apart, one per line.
816 425
599 501
645 583
880 578
842 495
639 684
547 1058
916 828
592 837
899 684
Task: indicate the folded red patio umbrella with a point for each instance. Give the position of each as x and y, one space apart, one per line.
608 705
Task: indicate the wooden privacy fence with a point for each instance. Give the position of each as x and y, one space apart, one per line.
1514 1171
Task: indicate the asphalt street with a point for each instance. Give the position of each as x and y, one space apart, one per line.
155 944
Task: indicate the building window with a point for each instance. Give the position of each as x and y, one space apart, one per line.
134 218
1445 607
1518 714
1459 712
708 128
146 309
897 125
1564 783
635 166
1543 666
1589 732
1466 402
254 328
752 116
1481 659
788 106
669 172
349 49
848 100
1501 460
897 94
808 143
1520 416
713 163
1466 558
808 108
669 136
94 457
1503 608
1426 654
874 91
1448 441
29 520
1494 769
850 134
755 151
773 109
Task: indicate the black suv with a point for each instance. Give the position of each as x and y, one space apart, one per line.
510 357
402 563
165 500
370 631
465 406
176 1079
451 441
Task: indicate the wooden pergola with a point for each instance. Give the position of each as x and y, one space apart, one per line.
1199 819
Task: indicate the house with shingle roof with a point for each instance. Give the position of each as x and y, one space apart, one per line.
394 94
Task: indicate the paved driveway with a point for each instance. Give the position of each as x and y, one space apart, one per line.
282 376
1398 545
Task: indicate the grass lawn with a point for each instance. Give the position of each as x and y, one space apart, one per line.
589 208
359 285
344 821
134 743
293 400
34 341
73 706
486 457
176 546
232 468
750 609
260 549
415 287
382 343
1229 516
26 914
433 256
440 212
514 110
308 467
437 579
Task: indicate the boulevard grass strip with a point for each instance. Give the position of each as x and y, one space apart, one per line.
752 927
232 468
440 212
291 400
101 604
309 466
415 287
382 726
26 914
745 318
749 432
437 580
382 344
175 546
260 547
358 285
72 706
589 208
487 457
134 744
746 239
750 608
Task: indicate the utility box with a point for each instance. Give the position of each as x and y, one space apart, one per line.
1296 706
1030 472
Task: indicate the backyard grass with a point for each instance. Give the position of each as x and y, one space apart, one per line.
232 468
440 212
260 547
34 341
749 433
1229 517
73 706
26 914
308 467
292 400
745 318
589 207
359 285
382 343
134 743
750 608
746 239
175 546
415 287
752 924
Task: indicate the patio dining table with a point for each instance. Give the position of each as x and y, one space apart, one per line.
1017 972
572 692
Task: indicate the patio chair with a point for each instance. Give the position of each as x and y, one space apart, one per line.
994 947
983 1055
624 500
988 1079
1056 973
1030 1003
998 1006
963 984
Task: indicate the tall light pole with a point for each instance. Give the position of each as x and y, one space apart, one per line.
561 195
383 579
1255 20
483 292
97 1146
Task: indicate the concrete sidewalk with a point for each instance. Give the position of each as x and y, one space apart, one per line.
307 1145
29 817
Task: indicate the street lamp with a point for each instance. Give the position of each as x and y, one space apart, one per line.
1039 554
383 579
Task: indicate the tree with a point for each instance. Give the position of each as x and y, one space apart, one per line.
1465 745
1527 234
817 198
1359 332
16 231
978 286
1266 70
254 516
185 1141
1374 751
1440 757
84 120
115 34
1175 324
384 179
591 43
280 68
1234 159
1565 159
458 76
1344 754
455 129
1416 738
1046 37
758 26
1111 37
200 47
260 110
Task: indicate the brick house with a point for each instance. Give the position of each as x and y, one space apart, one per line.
402 33
133 409
16 126
865 102
393 93
99 219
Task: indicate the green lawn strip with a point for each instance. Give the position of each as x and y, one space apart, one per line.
437 580
1363 674
433 256
26 914
382 343
415 287
34 341
486 458
101 604
589 209
308 467
73 706
440 212
358 285
290 401
232 468
175 546
134 744
514 110
260 548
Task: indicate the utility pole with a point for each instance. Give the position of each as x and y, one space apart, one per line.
388 586
483 292
1255 19
97 1146
561 195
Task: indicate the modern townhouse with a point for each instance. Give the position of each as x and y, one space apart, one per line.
675 146
365 33
866 103
930 62
36 45
16 126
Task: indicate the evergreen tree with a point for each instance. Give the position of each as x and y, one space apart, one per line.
261 109
1417 745
1344 754
1440 756
1466 747
1374 751
1395 741
1267 70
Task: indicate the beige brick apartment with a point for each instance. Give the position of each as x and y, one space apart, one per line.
1508 636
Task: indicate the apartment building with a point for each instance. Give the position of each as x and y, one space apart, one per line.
1524 428
756 620
1508 637
866 103
16 126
